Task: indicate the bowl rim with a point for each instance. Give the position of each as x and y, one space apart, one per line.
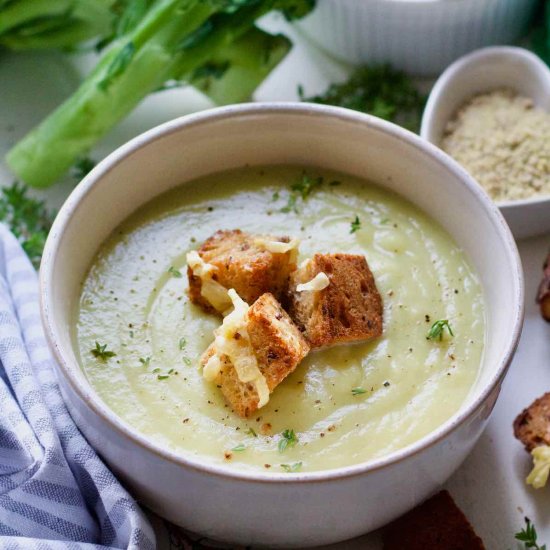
453 71
87 394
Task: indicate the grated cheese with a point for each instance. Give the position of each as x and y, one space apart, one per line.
211 290
238 350
319 282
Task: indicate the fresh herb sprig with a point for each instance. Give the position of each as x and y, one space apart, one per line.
301 189
438 328
292 468
528 535
378 90
355 225
101 352
176 273
28 219
288 439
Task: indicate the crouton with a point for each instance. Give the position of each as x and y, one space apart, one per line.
532 426
255 349
437 524
333 299
250 264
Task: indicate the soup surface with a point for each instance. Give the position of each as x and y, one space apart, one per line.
346 404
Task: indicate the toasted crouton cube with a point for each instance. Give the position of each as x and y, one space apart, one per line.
532 426
333 299
264 333
437 524
251 264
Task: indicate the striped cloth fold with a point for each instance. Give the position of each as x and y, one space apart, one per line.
55 492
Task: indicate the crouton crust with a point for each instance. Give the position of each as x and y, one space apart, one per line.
243 265
532 425
278 346
348 310
437 524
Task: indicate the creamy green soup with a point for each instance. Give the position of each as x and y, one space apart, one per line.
347 404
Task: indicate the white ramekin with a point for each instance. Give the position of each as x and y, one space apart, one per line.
418 36
481 71
262 508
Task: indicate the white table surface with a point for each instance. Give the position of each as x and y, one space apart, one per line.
489 486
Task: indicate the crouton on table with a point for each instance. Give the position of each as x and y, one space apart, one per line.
255 349
250 264
532 425
437 524
334 300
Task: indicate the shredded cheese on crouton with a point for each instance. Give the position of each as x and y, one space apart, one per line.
232 340
319 282
278 247
541 468
211 290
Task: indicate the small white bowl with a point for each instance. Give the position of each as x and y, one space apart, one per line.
262 508
481 71
418 36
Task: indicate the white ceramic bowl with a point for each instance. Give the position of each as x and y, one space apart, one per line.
482 71
418 36
301 509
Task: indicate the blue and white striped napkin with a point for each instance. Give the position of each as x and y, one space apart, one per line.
55 492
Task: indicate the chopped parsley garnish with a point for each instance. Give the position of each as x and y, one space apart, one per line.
301 189
156 369
239 448
174 272
186 360
355 225
182 343
358 391
528 535
438 328
251 432
163 376
289 468
288 439
28 219
275 197
101 352
145 361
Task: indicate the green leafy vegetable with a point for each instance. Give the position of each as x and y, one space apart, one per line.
162 41
358 391
101 352
290 468
145 361
355 225
27 217
380 91
288 439
46 24
528 535
438 328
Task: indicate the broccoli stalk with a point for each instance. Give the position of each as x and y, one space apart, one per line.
173 40
44 24
232 75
